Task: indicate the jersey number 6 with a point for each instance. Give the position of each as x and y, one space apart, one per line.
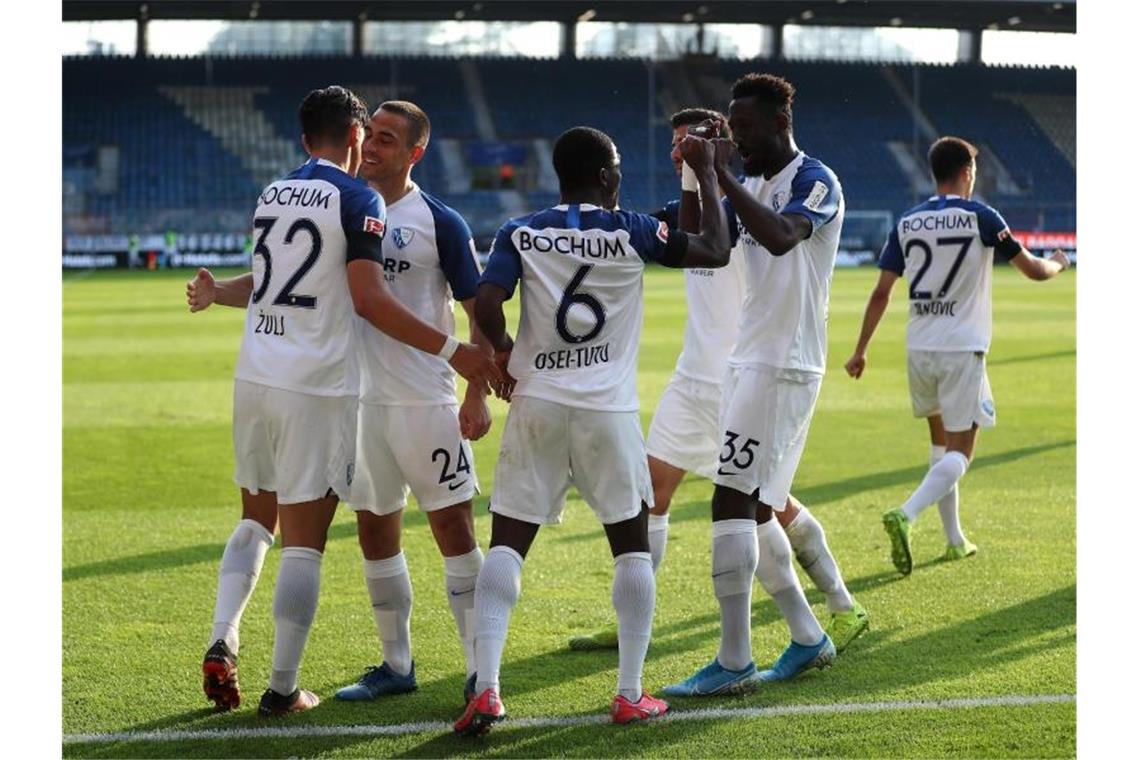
571 297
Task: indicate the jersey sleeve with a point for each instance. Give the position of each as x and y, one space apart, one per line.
364 219
671 214
456 249
733 222
655 240
995 233
504 266
815 196
891 257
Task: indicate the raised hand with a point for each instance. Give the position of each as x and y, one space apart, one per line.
201 292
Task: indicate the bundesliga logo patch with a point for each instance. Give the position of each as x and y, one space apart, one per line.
374 225
402 236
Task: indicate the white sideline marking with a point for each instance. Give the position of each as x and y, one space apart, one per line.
401 729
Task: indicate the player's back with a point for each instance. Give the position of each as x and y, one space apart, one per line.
580 267
301 328
944 247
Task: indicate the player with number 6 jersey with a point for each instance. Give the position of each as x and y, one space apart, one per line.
945 248
573 417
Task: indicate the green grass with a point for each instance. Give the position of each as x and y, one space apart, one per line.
149 502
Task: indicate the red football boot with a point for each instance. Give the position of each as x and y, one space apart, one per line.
624 711
482 712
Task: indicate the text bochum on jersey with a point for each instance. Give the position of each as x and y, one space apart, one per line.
580 268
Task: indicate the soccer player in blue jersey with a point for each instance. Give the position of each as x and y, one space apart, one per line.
573 417
945 247
317 267
788 213
412 432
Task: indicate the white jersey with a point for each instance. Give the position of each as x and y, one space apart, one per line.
580 268
783 322
429 258
715 297
301 330
945 249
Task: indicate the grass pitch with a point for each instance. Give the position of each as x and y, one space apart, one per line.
149 503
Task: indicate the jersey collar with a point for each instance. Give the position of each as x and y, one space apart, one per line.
582 206
949 197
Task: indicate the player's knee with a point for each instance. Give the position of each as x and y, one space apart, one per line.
379 538
454 533
662 498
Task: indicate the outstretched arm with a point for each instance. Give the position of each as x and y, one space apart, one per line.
376 304
204 291
876 307
1036 268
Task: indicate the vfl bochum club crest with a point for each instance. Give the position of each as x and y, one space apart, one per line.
402 236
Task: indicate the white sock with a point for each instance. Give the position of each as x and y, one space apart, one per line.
810 545
390 589
942 476
775 572
496 593
733 563
634 594
460 574
294 606
241 564
948 505
658 538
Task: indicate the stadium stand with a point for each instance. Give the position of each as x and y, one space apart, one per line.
168 143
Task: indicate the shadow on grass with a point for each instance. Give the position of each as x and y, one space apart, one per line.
1031 357
192 555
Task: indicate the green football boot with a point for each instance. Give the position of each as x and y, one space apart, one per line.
898 528
845 627
607 638
960 552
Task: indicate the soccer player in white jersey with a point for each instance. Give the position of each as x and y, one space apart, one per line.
317 267
573 417
789 211
945 248
685 434
411 430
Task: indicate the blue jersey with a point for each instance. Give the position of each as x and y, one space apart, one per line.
301 330
429 261
945 247
580 267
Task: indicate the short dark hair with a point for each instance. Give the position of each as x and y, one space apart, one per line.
691 116
948 156
767 88
327 113
579 153
419 127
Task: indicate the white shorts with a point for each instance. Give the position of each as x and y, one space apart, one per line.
547 447
685 431
297 444
420 446
952 384
764 425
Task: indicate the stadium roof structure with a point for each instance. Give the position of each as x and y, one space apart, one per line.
1020 15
